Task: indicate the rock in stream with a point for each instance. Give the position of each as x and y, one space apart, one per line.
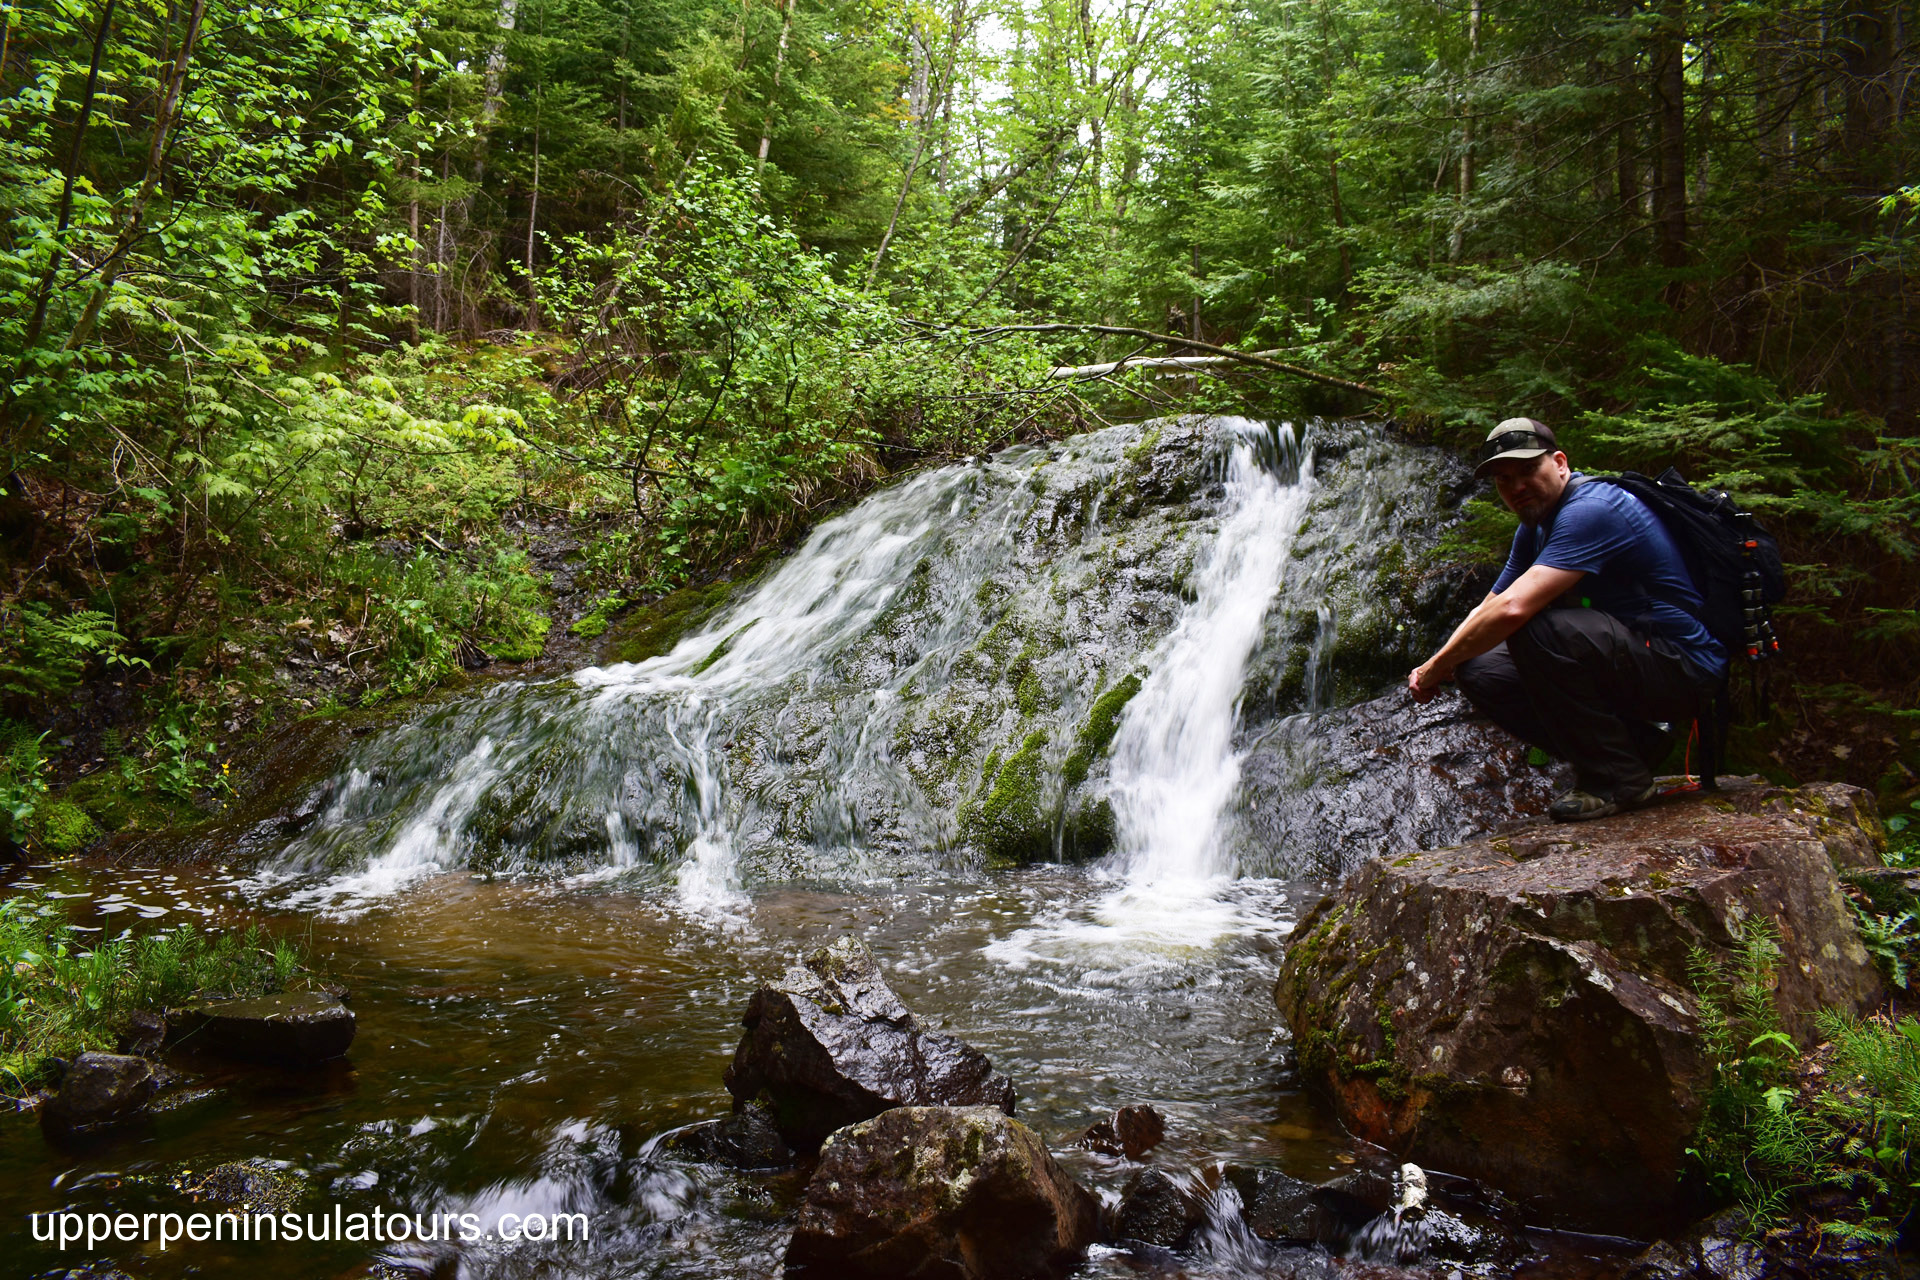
1521 1010
831 1045
958 1193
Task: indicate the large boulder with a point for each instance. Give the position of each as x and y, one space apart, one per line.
830 1045
100 1091
294 1028
1522 1009
940 1193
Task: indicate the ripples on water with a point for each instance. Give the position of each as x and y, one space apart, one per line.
522 1041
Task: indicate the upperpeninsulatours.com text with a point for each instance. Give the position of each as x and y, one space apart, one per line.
65 1228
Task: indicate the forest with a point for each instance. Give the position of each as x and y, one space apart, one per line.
315 312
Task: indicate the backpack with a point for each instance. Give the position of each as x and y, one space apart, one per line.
1735 566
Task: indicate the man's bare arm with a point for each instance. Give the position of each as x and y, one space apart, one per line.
1492 620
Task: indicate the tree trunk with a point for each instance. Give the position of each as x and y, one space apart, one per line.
1670 157
533 220
1457 243
413 222
44 294
779 65
165 117
493 85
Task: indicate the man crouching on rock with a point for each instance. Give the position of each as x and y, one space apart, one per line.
1589 643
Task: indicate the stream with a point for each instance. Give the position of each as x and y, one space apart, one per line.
1064 736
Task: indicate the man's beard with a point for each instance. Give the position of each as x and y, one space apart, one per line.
1534 512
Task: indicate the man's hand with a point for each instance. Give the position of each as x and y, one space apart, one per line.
1424 681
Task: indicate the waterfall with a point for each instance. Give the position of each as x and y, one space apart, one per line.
1175 770
921 687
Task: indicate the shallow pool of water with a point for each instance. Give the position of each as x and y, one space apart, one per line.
521 1040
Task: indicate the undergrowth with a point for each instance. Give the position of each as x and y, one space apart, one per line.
1778 1128
61 994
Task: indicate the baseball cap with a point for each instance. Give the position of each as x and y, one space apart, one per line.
1515 438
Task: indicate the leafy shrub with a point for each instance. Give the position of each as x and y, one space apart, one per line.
1889 940
1769 1135
1874 1100
22 777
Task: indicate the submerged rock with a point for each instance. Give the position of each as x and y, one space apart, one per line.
256 1187
1520 1010
747 1139
830 1045
1130 1132
99 1091
293 1028
960 1193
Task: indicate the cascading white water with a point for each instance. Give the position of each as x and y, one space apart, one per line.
814 606
1175 770
917 688
1174 766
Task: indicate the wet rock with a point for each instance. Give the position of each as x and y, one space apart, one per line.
1483 1245
1662 1261
1359 1194
1277 1207
747 1139
1157 1208
1336 788
293 1028
831 1045
966 1193
98 1092
1130 1132
1520 1009
143 1035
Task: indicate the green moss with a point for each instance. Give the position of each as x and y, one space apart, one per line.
64 827
1096 735
115 804
1139 449
1027 694
656 628
1007 823
524 641
719 651
594 623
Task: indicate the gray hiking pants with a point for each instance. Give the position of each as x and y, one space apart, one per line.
1585 687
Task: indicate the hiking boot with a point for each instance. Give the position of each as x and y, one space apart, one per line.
1579 806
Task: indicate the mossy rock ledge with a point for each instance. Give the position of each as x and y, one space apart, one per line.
1519 1009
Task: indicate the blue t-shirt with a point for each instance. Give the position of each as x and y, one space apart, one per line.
1634 570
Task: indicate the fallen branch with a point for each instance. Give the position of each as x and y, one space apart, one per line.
1151 362
1225 353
